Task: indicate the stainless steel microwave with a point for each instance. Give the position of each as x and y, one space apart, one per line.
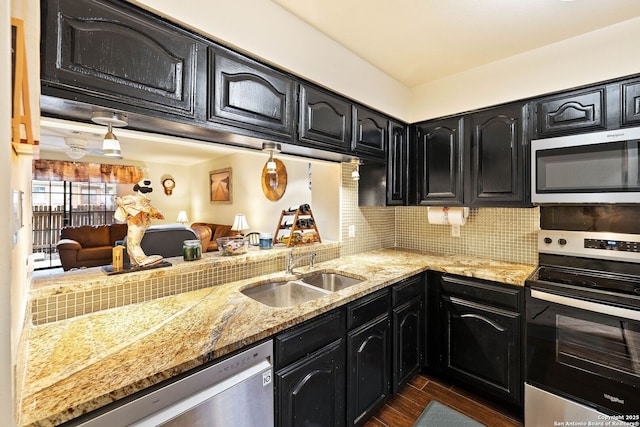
597 167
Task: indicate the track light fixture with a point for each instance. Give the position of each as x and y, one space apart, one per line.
355 171
271 147
110 144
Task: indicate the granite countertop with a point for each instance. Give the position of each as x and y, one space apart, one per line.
76 365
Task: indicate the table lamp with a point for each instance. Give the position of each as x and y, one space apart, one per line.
240 224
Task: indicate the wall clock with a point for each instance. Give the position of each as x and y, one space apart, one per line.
274 184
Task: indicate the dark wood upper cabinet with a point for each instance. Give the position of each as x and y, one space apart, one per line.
439 152
572 112
497 156
250 96
369 132
397 165
324 120
631 103
114 55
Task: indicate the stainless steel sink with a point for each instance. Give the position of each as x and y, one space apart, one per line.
284 294
330 281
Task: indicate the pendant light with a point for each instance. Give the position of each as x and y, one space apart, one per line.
271 147
110 144
355 172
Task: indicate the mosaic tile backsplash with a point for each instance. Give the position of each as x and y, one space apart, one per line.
505 234
497 233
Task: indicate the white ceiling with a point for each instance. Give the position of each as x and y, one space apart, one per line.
134 144
418 41
413 41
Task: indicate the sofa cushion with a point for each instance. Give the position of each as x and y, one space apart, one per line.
102 253
89 236
165 240
221 231
117 232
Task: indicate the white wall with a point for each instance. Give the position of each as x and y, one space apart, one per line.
263 214
6 344
600 55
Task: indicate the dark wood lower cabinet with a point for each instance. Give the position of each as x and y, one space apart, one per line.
368 364
310 392
407 341
483 348
475 337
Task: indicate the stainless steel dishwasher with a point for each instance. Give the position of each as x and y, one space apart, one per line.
236 392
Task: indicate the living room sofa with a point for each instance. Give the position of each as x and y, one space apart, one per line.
217 231
88 245
165 240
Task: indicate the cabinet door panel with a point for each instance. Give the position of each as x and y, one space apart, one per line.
497 172
573 112
397 165
631 103
325 120
407 342
483 347
250 95
104 53
369 132
311 392
368 363
440 159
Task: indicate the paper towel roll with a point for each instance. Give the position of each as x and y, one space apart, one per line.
448 216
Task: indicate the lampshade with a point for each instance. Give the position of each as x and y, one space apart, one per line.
271 147
355 172
182 217
111 145
76 153
240 223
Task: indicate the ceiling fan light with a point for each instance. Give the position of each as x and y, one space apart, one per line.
111 146
76 153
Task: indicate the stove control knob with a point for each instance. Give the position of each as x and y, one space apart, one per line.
548 240
562 242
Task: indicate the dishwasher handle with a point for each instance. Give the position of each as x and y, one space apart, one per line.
172 411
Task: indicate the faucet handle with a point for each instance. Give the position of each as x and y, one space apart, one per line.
313 261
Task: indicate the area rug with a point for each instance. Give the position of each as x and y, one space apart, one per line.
438 415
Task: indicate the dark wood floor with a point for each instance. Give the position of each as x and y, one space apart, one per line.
406 406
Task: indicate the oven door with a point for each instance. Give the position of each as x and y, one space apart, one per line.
599 167
584 350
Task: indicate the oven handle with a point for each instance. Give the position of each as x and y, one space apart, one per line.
608 310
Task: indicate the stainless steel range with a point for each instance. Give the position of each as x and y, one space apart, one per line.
583 330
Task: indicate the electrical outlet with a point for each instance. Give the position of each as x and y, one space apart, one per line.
455 231
352 231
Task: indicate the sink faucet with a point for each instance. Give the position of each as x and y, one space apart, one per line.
291 263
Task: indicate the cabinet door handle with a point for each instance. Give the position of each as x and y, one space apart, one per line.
580 304
484 319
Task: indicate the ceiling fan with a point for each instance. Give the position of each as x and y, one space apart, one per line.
78 148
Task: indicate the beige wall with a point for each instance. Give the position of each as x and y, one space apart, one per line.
180 199
15 174
262 214
7 345
267 33
597 56
264 29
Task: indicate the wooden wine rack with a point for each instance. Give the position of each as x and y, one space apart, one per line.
294 227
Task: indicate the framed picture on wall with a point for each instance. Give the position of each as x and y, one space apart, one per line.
220 188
